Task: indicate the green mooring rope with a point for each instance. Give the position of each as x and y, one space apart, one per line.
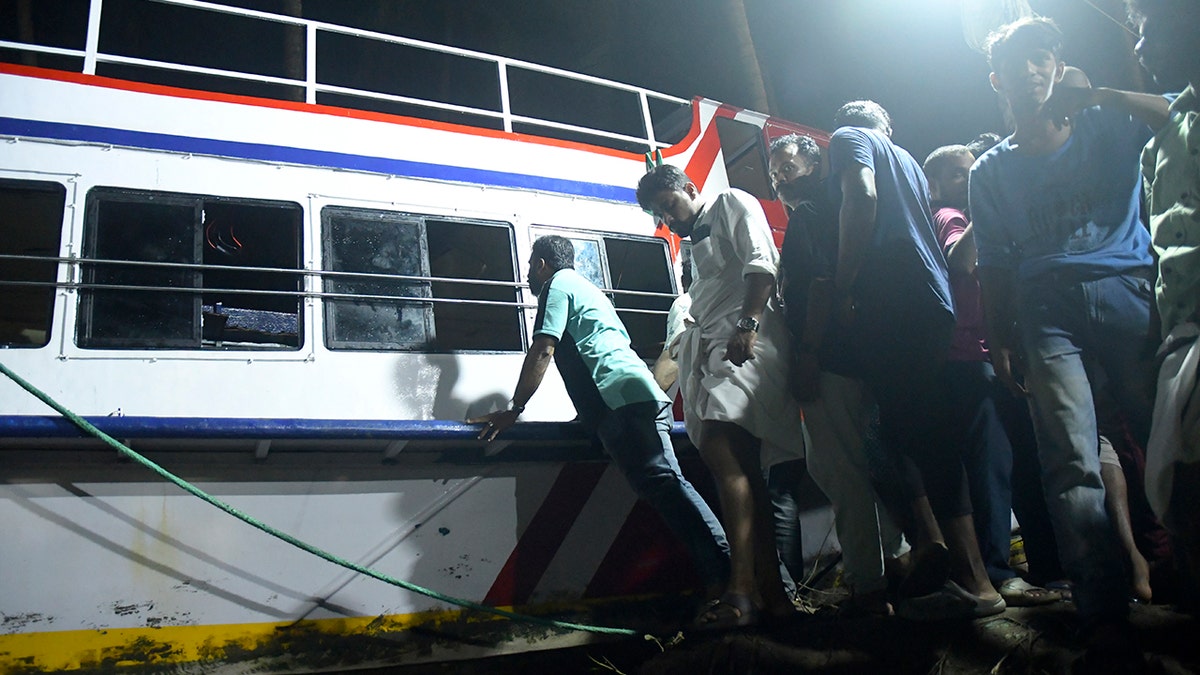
130 453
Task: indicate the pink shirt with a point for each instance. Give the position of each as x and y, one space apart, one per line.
968 343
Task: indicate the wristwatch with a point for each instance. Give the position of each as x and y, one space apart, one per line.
747 324
518 409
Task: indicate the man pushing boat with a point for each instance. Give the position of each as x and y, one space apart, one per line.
616 398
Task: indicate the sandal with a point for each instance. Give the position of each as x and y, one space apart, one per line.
951 602
1019 593
731 610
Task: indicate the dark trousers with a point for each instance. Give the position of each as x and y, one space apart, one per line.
973 390
906 375
638 438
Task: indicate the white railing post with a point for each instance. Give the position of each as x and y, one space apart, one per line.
95 9
505 107
310 62
652 145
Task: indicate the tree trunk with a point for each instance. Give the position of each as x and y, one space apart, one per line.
25 30
294 55
745 56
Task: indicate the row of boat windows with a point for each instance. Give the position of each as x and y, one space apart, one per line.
162 270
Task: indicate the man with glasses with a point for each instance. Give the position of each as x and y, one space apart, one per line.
836 409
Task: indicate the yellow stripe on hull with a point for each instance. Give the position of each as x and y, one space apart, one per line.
55 651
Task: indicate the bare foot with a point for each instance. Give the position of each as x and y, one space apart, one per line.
1140 587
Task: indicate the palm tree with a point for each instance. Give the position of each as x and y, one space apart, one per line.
745 57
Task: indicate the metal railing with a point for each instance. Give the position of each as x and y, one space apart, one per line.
312 30
74 263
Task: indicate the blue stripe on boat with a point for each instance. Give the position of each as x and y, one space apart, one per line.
40 426
12 126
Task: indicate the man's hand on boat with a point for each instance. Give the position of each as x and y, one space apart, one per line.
494 423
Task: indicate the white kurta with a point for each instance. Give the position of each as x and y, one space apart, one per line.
754 395
677 318
1175 431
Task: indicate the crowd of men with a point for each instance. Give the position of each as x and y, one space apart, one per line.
1010 327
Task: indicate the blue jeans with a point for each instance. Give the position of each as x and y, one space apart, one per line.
638 438
1068 329
1028 497
783 487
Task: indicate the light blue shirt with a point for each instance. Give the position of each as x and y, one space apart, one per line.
574 308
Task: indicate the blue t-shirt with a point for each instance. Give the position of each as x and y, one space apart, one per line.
904 267
592 340
1076 211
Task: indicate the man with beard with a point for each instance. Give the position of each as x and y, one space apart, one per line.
616 398
836 408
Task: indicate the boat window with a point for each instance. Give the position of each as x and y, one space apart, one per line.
634 264
642 265
368 250
589 260
489 319
177 271
745 154
31 219
396 281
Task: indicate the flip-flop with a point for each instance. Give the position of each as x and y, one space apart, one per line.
951 602
1020 593
731 610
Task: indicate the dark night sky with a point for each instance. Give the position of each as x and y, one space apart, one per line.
909 55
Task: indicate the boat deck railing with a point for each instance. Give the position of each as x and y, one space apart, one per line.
654 108
72 283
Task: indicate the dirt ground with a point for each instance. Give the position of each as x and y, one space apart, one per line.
1021 640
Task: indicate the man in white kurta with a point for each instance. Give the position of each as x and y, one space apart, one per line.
754 395
732 371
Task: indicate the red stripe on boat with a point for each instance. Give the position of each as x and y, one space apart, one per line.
539 543
644 559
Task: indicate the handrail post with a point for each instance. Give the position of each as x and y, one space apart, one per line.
505 106
95 9
647 122
310 62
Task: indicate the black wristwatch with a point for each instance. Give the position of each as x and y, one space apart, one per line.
518 409
747 324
